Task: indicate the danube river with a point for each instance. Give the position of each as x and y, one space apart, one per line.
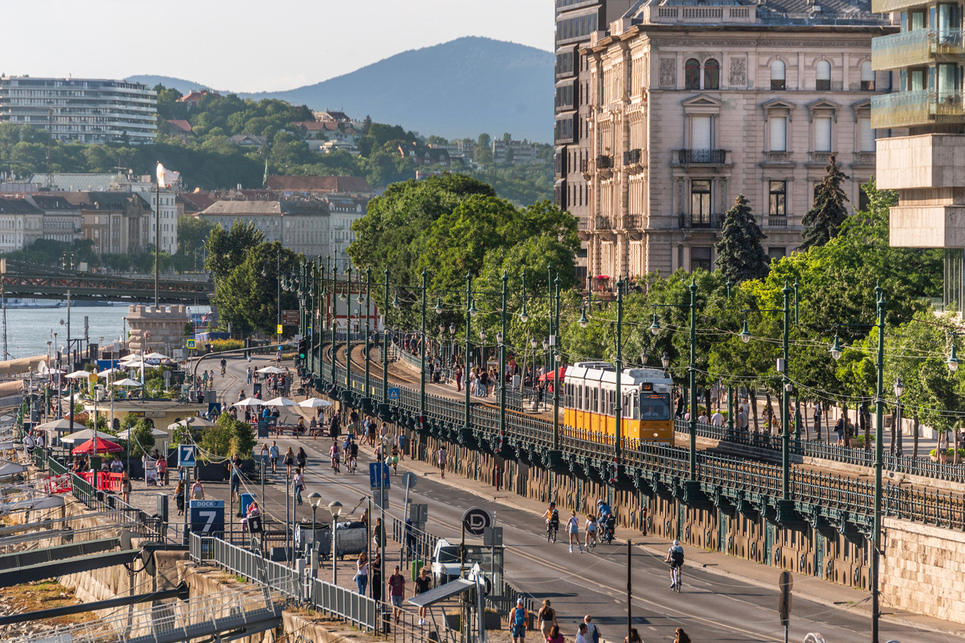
29 329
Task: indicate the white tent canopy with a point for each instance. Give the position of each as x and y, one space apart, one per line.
126 434
281 401
127 382
314 403
271 370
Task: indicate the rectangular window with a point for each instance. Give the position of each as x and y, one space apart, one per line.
701 133
776 253
700 257
700 203
916 20
822 134
778 133
916 80
866 135
777 206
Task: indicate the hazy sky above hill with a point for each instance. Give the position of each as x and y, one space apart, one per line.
248 45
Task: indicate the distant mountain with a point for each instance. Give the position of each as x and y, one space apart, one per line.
456 89
183 86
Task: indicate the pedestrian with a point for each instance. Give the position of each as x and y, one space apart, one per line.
162 471
264 457
378 535
839 429
581 635
197 490
301 459
179 497
443 457
423 583
396 585
573 529
554 635
375 568
248 375
403 440
273 456
517 622
28 444
592 631
634 636
290 461
126 488
681 636
298 483
236 481
334 455
643 521
590 531
546 620
362 573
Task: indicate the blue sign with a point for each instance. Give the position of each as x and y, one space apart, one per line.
393 393
207 517
374 468
186 456
192 344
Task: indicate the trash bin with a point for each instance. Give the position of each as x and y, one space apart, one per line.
244 501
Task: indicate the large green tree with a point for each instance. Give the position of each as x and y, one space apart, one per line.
823 221
740 255
228 248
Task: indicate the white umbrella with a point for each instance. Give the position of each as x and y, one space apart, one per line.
78 375
195 421
157 356
126 382
281 401
110 371
80 436
249 401
314 403
58 425
273 370
126 435
44 370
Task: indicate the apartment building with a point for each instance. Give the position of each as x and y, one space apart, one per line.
925 159
117 222
688 106
62 220
81 110
299 224
21 223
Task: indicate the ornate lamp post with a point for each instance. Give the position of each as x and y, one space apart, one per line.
335 507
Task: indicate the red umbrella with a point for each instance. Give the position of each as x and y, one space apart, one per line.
103 446
552 375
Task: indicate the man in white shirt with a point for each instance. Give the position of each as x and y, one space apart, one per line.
717 419
592 631
28 444
581 636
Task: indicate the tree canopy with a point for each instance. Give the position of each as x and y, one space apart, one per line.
823 221
740 255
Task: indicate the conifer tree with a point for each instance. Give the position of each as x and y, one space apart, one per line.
740 255
823 221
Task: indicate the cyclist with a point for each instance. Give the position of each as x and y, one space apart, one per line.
607 521
224 365
552 517
675 556
353 455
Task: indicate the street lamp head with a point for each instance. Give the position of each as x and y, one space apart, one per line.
788 386
546 343
335 507
439 305
953 360
899 387
533 343
341 297
655 325
836 349
665 360
745 334
584 322
523 317
315 499
452 329
395 301
482 334
442 328
643 357
499 338
472 309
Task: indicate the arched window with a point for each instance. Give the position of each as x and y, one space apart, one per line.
867 77
823 75
777 75
711 74
692 74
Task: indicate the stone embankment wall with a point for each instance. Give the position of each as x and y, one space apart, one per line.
922 566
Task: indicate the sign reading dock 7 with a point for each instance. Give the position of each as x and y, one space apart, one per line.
207 517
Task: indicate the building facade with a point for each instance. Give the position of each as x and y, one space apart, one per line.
21 223
117 222
689 106
81 110
299 224
924 159
62 220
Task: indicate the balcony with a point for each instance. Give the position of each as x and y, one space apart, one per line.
781 159
702 220
864 159
921 107
780 222
586 168
819 159
604 228
687 158
918 47
604 165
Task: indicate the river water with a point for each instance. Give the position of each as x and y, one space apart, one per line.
29 329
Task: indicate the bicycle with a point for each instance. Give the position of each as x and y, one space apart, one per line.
551 530
675 577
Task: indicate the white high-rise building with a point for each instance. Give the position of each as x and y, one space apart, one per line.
81 110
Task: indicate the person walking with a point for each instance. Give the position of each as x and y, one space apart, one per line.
396 585
301 459
290 461
273 456
518 619
546 620
197 490
298 483
554 635
573 529
126 489
362 573
581 634
179 497
443 457
634 636
681 636
375 567
378 535
592 631
423 583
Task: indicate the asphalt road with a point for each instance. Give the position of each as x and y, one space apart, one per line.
711 607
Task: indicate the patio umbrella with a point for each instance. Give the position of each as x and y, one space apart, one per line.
552 375
157 356
196 422
59 425
272 370
102 446
249 401
78 436
281 401
126 435
110 371
314 403
126 382
78 375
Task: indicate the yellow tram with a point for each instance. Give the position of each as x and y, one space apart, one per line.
589 400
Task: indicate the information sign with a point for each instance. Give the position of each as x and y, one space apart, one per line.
207 517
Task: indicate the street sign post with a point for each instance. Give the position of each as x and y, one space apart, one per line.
476 520
784 606
374 469
192 344
207 517
393 393
186 455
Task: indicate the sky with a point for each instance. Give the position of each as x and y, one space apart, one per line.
248 45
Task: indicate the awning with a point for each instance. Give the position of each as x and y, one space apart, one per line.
443 592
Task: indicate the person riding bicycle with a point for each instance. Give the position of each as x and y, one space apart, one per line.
675 556
603 509
224 365
607 521
552 517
